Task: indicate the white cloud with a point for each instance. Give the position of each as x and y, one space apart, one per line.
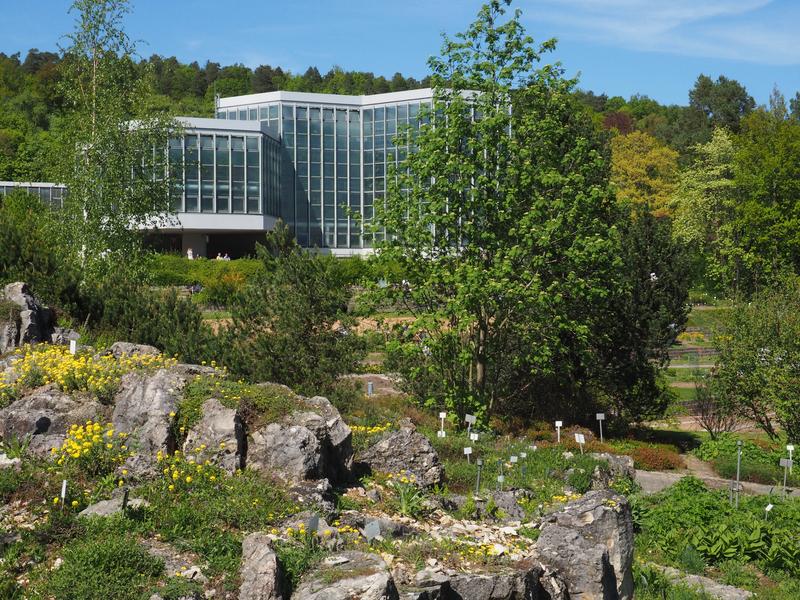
730 29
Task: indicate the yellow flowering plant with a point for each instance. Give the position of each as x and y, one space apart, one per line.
98 375
95 448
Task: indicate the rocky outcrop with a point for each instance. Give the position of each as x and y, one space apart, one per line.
589 544
618 466
306 445
142 407
28 322
106 508
261 574
46 412
120 349
512 585
405 450
348 576
221 431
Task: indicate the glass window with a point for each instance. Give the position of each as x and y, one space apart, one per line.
402 113
207 173
379 114
253 174
273 111
237 174
232 114
192 171
288 111
263 113
253 114
242 114
223 169
221 114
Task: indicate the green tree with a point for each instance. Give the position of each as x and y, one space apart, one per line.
644 171
110 152
291 325
723 102
759 360
703 207
501 222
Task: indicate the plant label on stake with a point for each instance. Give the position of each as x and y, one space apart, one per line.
479 462
766 511
441 433
63 494
786 463
600 418
523 455
559 425
473 437
581 439
370 388
471 420
533 447
500 480
467 451
738 469
73 347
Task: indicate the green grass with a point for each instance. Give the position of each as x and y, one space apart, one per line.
708 319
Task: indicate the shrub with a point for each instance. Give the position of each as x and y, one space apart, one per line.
111 566
656 459
755 472
725 446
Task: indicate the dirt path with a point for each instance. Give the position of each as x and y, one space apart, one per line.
698 468
655 481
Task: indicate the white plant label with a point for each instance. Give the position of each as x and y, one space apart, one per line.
523 455
514 459
468 450
73 346
441 434
601 416
442 415
769 507
63 490
501 478
580 438
559 424
473 437
471 419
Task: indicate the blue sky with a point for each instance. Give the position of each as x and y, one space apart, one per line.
620 47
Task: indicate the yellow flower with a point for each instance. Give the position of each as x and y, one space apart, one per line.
188 479
74 503
55 500
171 487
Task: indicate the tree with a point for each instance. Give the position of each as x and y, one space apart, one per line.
501 223
646 317
291 325
703 207
110 152
723 102
759 360
644 171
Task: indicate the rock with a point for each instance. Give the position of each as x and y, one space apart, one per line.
174 560
618 466
348 576
261 574
221 430
508 503
305 445
63 336
604 518
120 349
318 493
46 411
9 463
338 438
105 508
405 450
142 407
512 585
714 589
291 452
582 564
28 323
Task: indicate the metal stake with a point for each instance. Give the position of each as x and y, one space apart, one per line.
738 469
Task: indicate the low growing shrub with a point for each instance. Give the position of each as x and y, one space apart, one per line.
656 459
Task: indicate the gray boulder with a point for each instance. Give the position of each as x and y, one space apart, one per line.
261 574
604 518
405 450
582 564
46 411
120 349
348 576
63 336
106 508
9 463
218 426
618 466
338 438
28 323
290 452
512 585
142 407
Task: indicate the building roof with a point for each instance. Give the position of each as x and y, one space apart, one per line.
329 99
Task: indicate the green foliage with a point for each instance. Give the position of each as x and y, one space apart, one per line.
262 403
409 498
221 279
291 325
725 446
759 374
505 242
29 251
111 566
298 555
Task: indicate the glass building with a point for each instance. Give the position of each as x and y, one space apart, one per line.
49 193
317 161
334 154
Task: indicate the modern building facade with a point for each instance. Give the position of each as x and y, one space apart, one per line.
319 162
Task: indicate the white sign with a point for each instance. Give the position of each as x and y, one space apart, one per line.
559 424
580 438
473 437
786 462
601 416
467 450
63 490
790 448
523 455
73 346
441 434
501 478
471 419
533 447
442 415
769 507
514 459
